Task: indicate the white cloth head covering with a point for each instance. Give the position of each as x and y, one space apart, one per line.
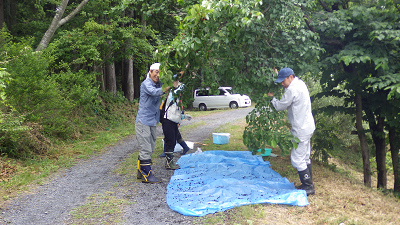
154 66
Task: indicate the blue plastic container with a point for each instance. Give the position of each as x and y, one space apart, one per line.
267 152
221 138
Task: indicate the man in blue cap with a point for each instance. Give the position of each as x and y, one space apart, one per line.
296 100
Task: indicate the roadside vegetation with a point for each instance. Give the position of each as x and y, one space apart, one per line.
70 75
341 197
21 174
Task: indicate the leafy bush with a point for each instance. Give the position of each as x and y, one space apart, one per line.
34 94
23 141
332 136
267 127
117 110
79 87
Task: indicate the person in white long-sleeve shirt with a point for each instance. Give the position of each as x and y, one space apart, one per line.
296 100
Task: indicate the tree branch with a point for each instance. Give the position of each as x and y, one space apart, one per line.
324 6
73 13
308 22
57 22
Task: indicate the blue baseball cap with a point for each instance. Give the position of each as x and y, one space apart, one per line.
283 73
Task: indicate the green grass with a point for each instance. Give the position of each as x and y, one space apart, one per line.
100 209
192 126
62 155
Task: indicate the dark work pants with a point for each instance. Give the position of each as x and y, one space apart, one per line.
170 130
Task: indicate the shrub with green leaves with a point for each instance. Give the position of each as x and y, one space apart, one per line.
79 87
268 127
36 95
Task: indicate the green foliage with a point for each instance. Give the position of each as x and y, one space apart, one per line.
3 82
332 137
268 127
362 60
237 44
30 17
364 39
91 46
79 87
36 95
116 109
42 103
163 16
10 121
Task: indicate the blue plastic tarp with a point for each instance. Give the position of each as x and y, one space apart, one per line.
215 181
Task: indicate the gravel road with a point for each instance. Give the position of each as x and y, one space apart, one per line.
52 202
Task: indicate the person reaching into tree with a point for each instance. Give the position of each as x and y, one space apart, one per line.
171 114
147 119
296 100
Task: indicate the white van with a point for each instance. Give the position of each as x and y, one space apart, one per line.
224 99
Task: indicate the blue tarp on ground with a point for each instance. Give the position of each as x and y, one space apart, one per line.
215 181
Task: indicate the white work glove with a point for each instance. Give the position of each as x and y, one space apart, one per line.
188 117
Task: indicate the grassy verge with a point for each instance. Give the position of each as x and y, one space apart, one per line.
341 197
26 173
18 176
100 209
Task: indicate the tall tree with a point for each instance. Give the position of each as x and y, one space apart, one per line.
361 40
239 43
153 15
58 21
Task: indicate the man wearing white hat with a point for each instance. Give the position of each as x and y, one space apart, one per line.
147 118
296 100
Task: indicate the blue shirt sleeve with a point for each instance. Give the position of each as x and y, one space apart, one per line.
149 103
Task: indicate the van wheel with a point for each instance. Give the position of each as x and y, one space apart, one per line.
202 107
233 105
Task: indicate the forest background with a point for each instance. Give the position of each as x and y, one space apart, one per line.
71 68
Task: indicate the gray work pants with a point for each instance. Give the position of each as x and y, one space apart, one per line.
146 137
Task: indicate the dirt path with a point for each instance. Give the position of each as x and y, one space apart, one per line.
53 202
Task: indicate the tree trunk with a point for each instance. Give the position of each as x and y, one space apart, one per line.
394 150
128 66
1 13
111 83
136 83
57 22
10 14
128 79
100 77
378 136
363 142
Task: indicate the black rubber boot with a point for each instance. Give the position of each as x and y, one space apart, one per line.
139 174
169 161
306 182
162 154
185 147
146 173
309 170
